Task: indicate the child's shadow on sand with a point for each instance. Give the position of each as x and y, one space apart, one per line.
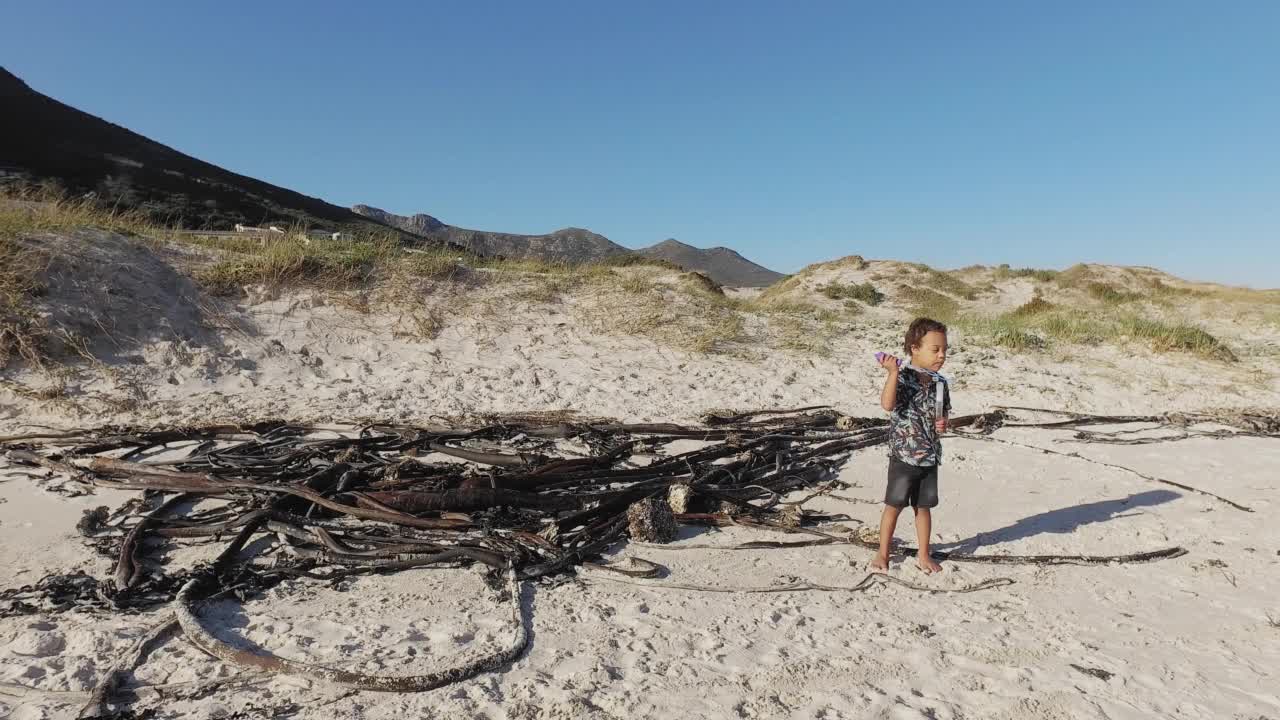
1061 521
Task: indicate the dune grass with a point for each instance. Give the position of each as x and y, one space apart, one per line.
296 261
1004 272
1111 295
781 287
682 312
945 282
926 302
24 216
1038 323
22 332
863 292
1035 306
633 294
41 210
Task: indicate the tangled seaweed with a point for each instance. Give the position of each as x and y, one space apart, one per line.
512 495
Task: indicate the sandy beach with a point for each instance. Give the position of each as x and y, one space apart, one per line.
1190 637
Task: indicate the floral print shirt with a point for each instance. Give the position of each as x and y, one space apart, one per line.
913 437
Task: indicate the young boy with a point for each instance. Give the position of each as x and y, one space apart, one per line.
915 445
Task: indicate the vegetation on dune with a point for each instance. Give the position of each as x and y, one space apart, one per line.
782 287
927 302
1037 323
1110 294
853 262
686 311
1075 276
940 281
864 292
1004 272
45 209
294 261
1035 306
21 331
626 294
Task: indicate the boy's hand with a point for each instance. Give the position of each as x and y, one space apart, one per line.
941 425
889 362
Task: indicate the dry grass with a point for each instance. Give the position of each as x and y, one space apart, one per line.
297 261
1036 323
1166 337
24 261
683 315
945 282
929 303
22 332
781 288
1075 276
628 294
1004 272
853 262
1111 295
810 336
1035 306
863 292
38 211
1034 330
422 325
1001 331
699 283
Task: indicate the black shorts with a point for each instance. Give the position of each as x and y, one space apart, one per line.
914 485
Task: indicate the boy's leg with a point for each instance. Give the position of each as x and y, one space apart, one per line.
926 498
897 495
888 521
924 525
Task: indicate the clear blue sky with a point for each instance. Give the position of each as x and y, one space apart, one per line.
1038 134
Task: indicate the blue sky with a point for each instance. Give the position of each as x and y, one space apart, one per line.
1038 134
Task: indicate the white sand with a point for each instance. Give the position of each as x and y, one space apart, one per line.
1188 637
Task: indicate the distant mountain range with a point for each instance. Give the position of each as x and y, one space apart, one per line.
567 245
719 263
577 245
43 140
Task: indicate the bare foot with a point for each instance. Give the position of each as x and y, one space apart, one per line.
927 565
879 564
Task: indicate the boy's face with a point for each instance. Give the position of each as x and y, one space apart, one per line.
931 353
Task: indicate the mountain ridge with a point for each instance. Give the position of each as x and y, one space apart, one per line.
570 244
45 140
724 265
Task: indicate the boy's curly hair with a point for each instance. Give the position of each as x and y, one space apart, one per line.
919 328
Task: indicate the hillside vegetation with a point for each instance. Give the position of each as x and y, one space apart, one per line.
61 257
51 248
1027 309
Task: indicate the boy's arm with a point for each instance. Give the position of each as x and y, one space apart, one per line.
889 395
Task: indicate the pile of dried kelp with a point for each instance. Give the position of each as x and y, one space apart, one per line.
385 497
526 496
